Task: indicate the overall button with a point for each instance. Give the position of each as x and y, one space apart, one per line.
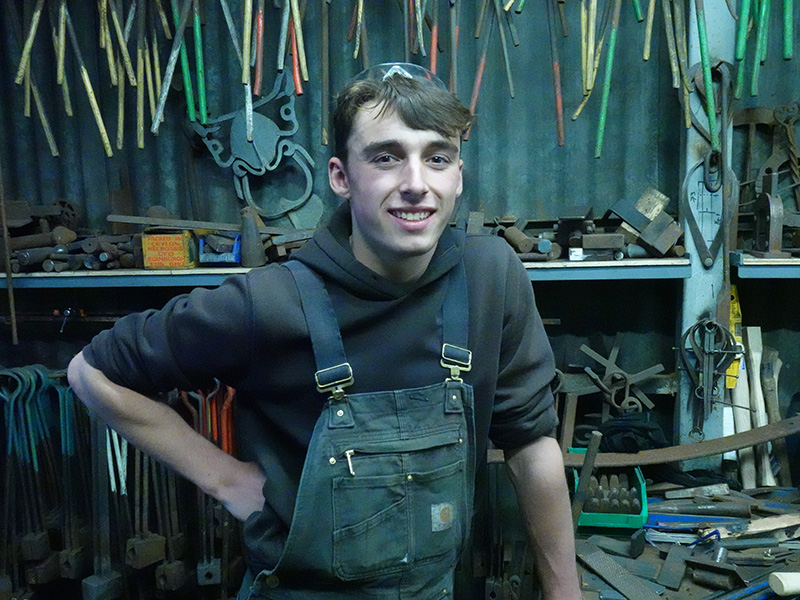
271 581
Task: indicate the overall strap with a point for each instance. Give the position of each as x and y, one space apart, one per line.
334 372
455 324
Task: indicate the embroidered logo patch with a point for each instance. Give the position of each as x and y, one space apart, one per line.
442 516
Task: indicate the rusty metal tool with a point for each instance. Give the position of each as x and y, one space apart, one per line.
672 51
325 82
758 435
61 40
31 86
454 31
259 41
648 29
504 46
247 31
283 38
591 28
88 86
171 62
226 12
434 27
551 24
122 38
145 548
760 53
140 75
297 18
184 58
583 479
674 567
28 45
476 88
621 580
359 23
296 68
105 582
58 47
7 263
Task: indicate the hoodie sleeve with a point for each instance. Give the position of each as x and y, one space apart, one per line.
524 408
195 338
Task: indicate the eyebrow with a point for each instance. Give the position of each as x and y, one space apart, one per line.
395 145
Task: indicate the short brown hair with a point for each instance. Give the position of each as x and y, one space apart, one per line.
420 104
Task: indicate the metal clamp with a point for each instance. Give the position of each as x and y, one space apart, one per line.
457 360
334 379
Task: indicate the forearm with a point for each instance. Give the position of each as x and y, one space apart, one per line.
537 471
162 433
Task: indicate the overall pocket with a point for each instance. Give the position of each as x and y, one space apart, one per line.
386 523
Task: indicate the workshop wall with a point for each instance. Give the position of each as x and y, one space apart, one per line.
513 163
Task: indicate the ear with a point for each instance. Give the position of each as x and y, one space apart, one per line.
460 178
337 178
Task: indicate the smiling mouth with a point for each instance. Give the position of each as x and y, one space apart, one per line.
416 215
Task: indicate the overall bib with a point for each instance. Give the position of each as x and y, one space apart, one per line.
385 498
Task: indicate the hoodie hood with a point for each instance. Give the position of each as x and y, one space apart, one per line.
328 253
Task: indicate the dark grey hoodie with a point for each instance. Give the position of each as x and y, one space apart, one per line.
250 333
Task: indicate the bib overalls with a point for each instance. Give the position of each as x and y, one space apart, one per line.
385 497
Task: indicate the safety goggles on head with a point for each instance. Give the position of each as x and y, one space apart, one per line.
385 70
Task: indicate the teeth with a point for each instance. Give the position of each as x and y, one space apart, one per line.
412 216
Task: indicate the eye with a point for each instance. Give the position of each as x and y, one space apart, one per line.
384 159
440 160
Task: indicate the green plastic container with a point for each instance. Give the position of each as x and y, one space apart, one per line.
602 519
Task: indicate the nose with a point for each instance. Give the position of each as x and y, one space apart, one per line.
414 185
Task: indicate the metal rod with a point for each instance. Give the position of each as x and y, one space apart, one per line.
741 29
7 263
122 39
612 42
88 85
504 45
199 64
298 32
28 45
188 89
708 82
648 29
551 24
173 59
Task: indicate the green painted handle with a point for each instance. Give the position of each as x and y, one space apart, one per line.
201 73
708 83
741 29
601 124
788 29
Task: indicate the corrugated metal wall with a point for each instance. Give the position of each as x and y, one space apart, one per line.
513 165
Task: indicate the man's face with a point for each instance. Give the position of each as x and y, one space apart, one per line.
402 185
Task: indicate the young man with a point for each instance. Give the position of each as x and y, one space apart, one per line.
370 372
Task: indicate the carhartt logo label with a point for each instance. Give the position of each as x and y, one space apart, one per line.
442 516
